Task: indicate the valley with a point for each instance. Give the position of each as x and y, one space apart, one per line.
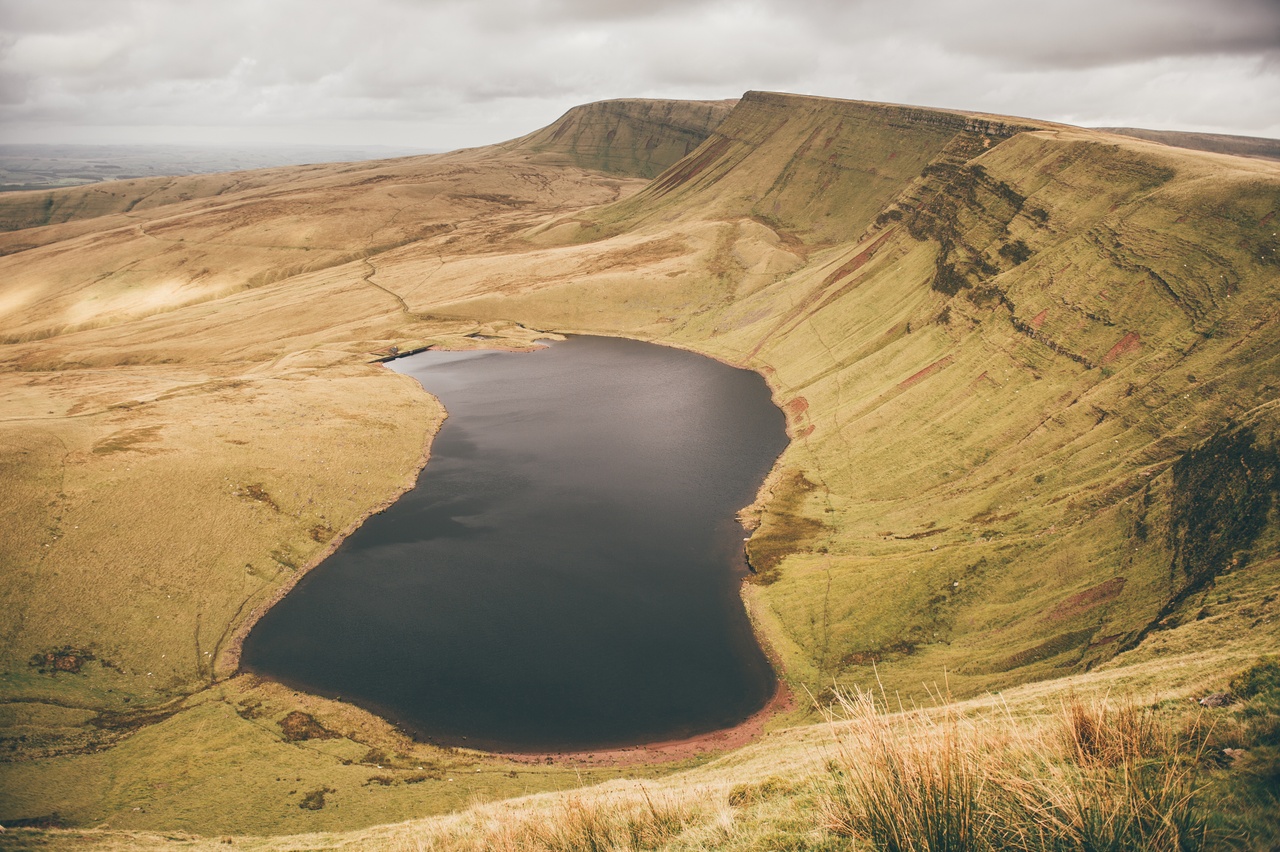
1029 371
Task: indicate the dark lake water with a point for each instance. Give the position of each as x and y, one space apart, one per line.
565 573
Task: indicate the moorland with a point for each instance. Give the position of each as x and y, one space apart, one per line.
1030 376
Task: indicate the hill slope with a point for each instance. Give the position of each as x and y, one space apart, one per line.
1030 373
997 369
1219 143
637 138
633 138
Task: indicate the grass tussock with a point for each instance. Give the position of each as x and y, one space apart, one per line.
1099 731
575 823
1102 776
197 442
910 785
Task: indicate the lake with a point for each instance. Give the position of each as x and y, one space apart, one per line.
565 573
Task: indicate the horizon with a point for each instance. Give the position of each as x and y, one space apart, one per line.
446 76
1017 404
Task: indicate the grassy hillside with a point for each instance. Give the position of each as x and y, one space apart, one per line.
633 138
996 374
1220 143
1030 374
637 138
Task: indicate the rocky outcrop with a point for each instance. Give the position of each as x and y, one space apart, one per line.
633 137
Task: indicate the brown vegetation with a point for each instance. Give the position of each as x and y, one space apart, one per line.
1045 357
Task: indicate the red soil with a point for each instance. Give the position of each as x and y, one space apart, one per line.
1082 602
670 751
926 372
1131 342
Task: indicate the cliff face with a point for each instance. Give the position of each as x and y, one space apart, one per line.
1030 373
996 341
812 166
633 137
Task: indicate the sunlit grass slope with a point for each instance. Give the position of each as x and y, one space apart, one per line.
190 420
637 138
1030 373
995 381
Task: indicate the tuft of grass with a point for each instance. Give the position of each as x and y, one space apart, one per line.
1113 800
1102 777
625 820
590 824
1097 731
905 785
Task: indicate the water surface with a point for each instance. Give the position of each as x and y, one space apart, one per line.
564 575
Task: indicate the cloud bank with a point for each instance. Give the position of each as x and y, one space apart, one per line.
451 73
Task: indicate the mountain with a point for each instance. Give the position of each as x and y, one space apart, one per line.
637 138
1219 143
1030 374
1001 344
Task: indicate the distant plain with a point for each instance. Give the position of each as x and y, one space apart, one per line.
48 166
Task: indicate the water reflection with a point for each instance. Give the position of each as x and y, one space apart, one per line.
565 573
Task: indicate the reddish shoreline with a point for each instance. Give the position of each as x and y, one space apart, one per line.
668 751
227 658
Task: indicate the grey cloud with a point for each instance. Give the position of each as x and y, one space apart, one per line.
1126 33
14 90
621 10
25 16
466 70
1083 34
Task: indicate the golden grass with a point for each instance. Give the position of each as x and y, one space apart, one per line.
981 484
999 772
934 781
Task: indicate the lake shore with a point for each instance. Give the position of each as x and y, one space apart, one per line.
442 555
669 751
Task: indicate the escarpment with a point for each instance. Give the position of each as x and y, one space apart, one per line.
1030 374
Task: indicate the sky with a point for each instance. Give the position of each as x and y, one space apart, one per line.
445 74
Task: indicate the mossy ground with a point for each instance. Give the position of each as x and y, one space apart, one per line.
1002 348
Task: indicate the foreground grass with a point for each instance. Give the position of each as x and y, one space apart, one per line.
1030 381
1106 776
1076 767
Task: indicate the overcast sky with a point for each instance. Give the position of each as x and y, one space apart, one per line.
445 74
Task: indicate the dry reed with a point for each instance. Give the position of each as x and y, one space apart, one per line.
616 822
1102 776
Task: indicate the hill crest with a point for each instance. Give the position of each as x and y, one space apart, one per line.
1029 373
